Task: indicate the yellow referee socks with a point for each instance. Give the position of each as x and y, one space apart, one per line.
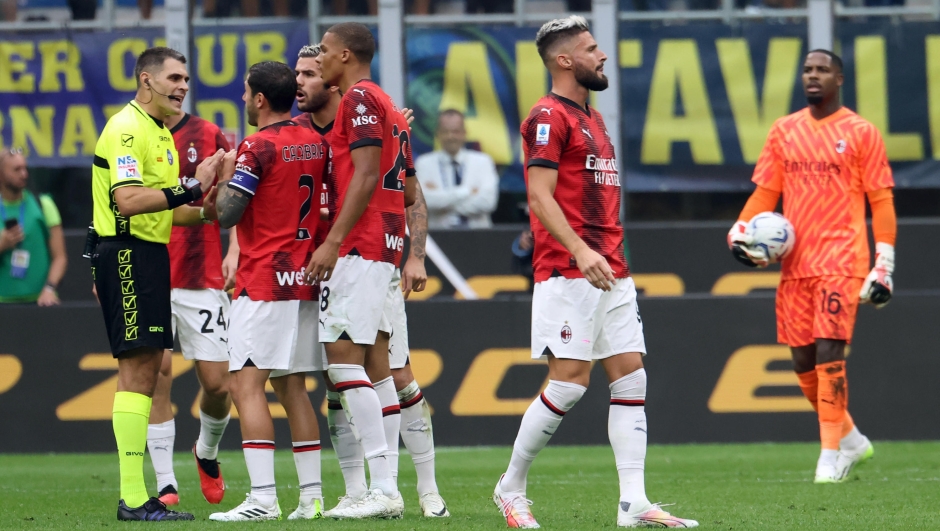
129 417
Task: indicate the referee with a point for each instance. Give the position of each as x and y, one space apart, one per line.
137 193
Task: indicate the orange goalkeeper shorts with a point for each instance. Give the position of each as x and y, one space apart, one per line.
816 308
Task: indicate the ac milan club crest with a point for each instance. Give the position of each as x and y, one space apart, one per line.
565 334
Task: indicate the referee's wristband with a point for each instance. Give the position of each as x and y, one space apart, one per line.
180 195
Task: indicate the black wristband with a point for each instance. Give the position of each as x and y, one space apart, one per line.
179 195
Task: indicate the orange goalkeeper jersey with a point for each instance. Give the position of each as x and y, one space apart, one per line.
824 168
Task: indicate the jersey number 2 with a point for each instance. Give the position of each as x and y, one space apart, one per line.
306 181
393 179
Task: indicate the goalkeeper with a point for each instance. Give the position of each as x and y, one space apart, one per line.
824 160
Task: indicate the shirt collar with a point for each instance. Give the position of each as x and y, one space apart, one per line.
459 157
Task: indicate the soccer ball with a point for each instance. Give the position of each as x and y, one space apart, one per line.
772 233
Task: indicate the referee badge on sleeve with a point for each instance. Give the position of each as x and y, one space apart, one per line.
541 134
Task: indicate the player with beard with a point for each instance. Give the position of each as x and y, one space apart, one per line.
319 105
584 304
373 179
824 160
268 192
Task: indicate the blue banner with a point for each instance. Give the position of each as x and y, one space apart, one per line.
697 99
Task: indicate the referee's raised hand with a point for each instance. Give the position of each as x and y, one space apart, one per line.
207 169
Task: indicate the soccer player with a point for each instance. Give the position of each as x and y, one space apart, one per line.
135 184
584 304
373 178
268 191
200 309
824 160
319 105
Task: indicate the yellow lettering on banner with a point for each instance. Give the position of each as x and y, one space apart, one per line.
10 371
477 394
111 110
223 113
34 130
264 46
466 72
752 119
677 76
96 403
659 284
531 77
871 93
13 74
60 57
933 92
744 283
630 53
205 46
79 127
120 79
488 285
745 372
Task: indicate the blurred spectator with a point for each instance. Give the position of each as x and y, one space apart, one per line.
490 6
86 9
370 7
8 10
461 186
253 8
32 246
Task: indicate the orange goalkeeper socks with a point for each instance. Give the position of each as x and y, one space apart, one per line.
833 398
809 384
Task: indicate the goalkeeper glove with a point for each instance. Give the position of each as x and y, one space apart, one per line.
879 285
740 244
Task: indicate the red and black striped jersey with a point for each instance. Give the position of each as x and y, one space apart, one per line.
368 117
196 251
323 229
562 135
280 167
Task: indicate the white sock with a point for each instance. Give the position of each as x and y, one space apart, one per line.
210 434
347 448
391 420
364 410
160 439
307 461
417 435
626 427
259 456
854 440
538 425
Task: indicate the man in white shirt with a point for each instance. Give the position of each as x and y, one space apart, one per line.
461 186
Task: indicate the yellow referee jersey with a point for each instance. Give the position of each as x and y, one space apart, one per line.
135 149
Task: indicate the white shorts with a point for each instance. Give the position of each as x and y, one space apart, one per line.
575 320
276 335
398 342
200 317
356 300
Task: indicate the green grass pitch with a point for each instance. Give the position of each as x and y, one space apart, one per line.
754 486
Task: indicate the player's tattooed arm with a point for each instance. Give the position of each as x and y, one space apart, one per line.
231 205
417 217
414 276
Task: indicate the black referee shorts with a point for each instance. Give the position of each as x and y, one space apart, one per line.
132 277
